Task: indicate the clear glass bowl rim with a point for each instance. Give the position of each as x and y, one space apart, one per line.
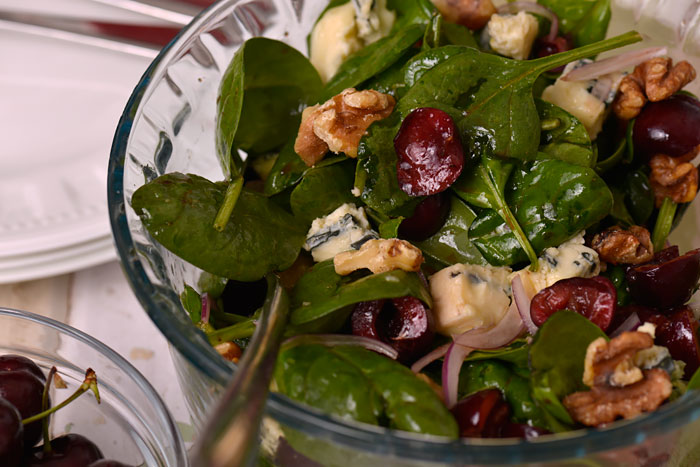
164 417
362 437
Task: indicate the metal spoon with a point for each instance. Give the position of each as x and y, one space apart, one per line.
231 436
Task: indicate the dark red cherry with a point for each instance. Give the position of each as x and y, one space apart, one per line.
405 323
12 362
545 47
429 216
594 298
430 155
679 333
482 414
667 127
11 435
665 283
24 390
522 430
71 450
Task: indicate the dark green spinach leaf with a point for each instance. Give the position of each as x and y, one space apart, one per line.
568 140
557 354
192 303
552 202
586 20
451 243
495 93
321 291
179 210
694 382
322 190
358 384
261 94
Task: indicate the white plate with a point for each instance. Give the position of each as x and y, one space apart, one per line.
61 102
59 261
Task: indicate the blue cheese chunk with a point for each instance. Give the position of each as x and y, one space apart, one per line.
586 100
570 259
345 29
467 296
512 35
344 229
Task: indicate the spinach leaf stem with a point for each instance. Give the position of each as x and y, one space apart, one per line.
233 191
664 221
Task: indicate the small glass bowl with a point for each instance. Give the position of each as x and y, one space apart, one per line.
131 424
169 126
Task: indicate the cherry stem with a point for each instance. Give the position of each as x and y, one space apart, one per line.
90 383
44 406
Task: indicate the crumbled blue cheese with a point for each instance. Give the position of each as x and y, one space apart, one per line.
467 296
345 29
586 100
344 229
512 35
570 259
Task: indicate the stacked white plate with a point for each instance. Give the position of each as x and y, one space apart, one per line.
60 103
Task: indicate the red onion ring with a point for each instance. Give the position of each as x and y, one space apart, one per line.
522 300
429 358
332 340
536 8
613 64
450 371
630 324
507 329
206 308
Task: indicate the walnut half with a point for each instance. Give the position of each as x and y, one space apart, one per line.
618 246
656 79
339 123
379 255
619 388
673 178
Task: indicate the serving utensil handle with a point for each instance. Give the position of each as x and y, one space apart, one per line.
231 435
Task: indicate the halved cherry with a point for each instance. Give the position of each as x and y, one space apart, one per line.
482 414
667 281
594 298
428 217
678 332
404 323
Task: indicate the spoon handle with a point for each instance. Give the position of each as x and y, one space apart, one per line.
231 435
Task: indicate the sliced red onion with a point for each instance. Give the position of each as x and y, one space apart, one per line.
450 371
613 64
630 324
507 329
429 358
206 308
522 300
332 340
532 7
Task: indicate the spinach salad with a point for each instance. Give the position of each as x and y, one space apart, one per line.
468 212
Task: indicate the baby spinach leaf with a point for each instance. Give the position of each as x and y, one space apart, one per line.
372 59
178 210
411 12
619 211
456 34
552 202
694 382
639 197
375 175
495 93
557 354
261 94
567 139
322 190
288 169
321 291
358 384
586 20
451 243
493 374
404 73
192 303
516 353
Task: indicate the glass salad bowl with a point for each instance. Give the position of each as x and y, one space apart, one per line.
131 424
169 125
